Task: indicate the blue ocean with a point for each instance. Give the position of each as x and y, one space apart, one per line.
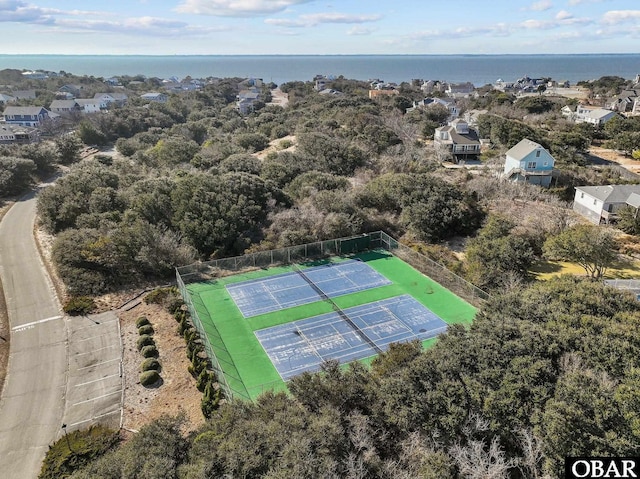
477 69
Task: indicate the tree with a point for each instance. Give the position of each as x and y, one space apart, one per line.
497 256
592 247
15 175
68 147
629 220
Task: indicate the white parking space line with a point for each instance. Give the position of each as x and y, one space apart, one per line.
20 327
98 364
96 417
98 380
113 346
98 397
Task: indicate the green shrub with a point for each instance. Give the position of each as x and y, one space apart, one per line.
150 364
150 351
145 340
141 321
79 305
158 296
149 378
210 400
86 446
145 329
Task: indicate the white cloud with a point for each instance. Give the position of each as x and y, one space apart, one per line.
563 15
237 8
613 17
540 6
314 19
360 31
148 26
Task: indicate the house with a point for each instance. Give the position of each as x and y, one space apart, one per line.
21 135
72 89
109 99
246 100
330 91
36 75
459 139
624 101
64 106
91 105
635 109
4 99
529 162
25 115
590 114
599 204
460 90
155 96
448 103
24 94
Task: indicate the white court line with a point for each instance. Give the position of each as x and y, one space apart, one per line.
33 323
97 380
98 364
119 391
95 417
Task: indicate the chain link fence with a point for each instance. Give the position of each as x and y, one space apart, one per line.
221 359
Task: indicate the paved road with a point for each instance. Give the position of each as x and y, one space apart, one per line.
33 398
61 370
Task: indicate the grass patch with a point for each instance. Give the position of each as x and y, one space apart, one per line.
623 268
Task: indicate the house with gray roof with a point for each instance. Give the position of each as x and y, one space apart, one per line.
25 115
599 204
64 106
4 99
460 140
596 117
529 162
21 135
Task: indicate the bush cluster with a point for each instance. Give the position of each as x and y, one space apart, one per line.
79 305
200 367
150 366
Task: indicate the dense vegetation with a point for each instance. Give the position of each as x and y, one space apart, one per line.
547 370
543 373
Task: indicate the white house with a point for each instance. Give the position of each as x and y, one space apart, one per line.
599 204
155 96
91 105
116 98
529 162
448 103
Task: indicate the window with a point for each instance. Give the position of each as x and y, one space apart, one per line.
581 195
531 165
595 202
537 153
546 163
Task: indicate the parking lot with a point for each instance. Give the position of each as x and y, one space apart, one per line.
94 385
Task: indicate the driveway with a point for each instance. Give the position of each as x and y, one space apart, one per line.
60 368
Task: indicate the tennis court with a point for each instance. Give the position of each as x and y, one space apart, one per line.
303 345
250 367
282 291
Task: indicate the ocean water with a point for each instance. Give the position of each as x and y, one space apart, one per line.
477 69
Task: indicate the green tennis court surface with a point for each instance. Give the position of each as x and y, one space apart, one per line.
248 369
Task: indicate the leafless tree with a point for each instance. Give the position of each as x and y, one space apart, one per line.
475 461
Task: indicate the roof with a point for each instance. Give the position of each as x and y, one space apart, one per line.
599 113
634 200
87 101
23 110
610 193
522 149
63 104
470 138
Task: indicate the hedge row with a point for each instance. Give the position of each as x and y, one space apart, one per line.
150 367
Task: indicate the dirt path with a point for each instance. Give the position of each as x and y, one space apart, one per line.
615 157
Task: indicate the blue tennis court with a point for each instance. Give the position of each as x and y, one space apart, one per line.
303 345
286 290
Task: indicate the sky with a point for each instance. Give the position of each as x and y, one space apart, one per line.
262 27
